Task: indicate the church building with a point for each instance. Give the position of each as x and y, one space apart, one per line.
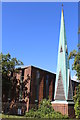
34 84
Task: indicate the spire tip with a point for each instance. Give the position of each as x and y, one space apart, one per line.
62 7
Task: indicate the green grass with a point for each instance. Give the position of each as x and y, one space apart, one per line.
11 116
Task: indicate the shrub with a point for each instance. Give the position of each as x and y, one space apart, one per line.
45 110
77 102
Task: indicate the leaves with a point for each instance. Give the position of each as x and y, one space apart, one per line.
72 54
77 102
45 110
8 67
76 64
8 64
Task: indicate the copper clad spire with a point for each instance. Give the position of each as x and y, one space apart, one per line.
63 89
62 8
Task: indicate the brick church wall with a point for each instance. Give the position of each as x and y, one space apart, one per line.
51 89
65 109
42 85
27 72
71 111
31 86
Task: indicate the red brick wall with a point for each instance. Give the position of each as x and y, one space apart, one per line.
41 85
71 111
50 89
32 87
27 71
65 109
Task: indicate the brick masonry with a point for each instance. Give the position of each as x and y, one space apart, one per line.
65 109
33 90
42 85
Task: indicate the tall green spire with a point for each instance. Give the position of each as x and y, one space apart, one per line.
63 87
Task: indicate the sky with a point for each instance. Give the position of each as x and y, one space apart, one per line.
30 31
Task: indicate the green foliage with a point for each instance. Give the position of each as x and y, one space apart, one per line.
8 65
45 106
11 116
77 102
76 64
45 110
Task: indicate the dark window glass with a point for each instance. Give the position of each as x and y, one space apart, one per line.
47 87
61 49
37 85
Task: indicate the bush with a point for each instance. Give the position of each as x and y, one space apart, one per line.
77 102
45 110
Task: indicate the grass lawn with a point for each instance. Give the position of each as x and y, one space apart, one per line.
11 116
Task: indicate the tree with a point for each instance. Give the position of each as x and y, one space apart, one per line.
8 67
76 66
77 102
8 64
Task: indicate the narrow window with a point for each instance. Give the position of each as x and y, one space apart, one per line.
37 85
47 86
66 51
61 49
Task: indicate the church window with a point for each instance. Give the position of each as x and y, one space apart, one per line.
47 86
37 74
66 51
61 49
37 85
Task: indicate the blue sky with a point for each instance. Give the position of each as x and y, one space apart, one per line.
30 31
